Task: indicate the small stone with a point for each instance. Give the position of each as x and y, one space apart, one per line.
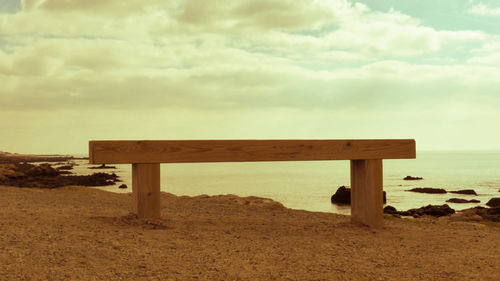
390 210
460 200
410 178
123 186
427 190
465 191
115 244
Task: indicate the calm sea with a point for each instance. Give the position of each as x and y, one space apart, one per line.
309 185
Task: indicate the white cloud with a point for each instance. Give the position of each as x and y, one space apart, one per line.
483 10
488 54
126 64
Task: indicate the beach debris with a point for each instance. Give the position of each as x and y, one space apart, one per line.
427 190
465 191
123 186
103 166
343 196
429 210
493 202
410 178
460 200
45 176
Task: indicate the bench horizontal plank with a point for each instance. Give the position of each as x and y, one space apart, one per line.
191 151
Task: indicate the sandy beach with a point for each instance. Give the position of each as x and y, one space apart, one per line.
80 233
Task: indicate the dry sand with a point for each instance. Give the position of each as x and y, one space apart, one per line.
78 233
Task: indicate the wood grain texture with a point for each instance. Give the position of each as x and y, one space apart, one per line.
366 192
146 190
189 151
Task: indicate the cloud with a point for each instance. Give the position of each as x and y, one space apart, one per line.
488 54
219 55
483 10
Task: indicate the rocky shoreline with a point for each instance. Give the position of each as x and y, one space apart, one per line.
492 213
12 158
16 171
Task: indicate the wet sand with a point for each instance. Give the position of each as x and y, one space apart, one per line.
80 233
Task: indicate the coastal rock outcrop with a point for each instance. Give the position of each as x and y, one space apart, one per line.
460 200
45 176
491 214
43 170
432 210
343 196
13 158
410 178
8 171
428 190
429 210
465 191
493 202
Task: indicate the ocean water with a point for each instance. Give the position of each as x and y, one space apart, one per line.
309 185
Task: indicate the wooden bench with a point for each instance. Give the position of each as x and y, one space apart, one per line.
146 155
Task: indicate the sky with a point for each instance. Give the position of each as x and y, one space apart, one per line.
73 71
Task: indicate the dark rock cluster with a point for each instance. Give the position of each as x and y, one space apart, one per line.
343 196
429 210
45 176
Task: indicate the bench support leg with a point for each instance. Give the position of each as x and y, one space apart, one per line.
366 192
146 190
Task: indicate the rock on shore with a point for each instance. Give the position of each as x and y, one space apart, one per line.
490 214
410 178
13 158
460 200
465 191
45 176
343 196
428 190
494 202
475 214
429 210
